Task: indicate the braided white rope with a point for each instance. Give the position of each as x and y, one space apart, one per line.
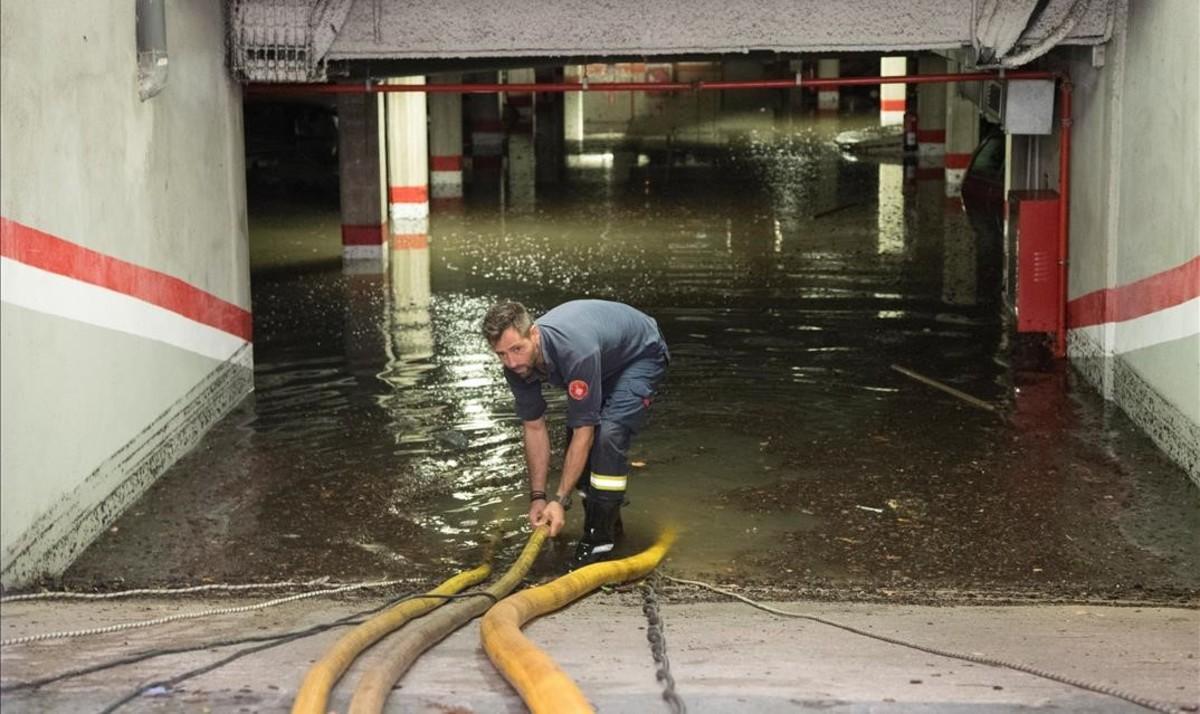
67 595
199 613
978 659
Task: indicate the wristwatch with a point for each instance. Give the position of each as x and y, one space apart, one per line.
564 501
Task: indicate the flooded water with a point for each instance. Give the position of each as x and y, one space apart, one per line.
788 279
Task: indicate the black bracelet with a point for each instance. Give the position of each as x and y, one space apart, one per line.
537 496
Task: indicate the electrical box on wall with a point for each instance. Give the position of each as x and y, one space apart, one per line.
1033 240
1021 106
1029 106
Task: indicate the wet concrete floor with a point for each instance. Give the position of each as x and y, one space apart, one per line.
788 279
724 657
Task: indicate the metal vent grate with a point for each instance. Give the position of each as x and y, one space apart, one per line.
282 40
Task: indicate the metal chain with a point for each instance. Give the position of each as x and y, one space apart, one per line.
658 646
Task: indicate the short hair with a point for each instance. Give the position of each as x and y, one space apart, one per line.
503 315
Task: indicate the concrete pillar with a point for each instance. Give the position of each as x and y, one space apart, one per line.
517 113
931 108
962 135
445 141
361 167
573 111
892 101
828 98
738 69
795 97
487 131
408 159
517 107
548 140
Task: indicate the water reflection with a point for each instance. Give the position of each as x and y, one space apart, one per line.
411 324
959 273
891 209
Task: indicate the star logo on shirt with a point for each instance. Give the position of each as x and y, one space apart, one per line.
577 389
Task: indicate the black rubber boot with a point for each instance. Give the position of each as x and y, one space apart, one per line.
600 526
618 527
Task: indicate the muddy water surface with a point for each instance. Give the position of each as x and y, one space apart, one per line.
788 278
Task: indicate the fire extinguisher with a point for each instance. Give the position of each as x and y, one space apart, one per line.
910 130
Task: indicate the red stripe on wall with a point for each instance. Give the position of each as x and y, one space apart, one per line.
371 234
957 161
408 194
931 136
71 260
1126 302
445 163
892 105
409 241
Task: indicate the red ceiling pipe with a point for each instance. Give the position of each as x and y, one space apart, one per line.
1064 210
467 88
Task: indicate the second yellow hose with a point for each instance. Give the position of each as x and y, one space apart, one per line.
313 696
370 696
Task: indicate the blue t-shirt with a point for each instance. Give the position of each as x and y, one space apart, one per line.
585 344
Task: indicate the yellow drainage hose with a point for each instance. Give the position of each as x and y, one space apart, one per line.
314 691
539 681
372 691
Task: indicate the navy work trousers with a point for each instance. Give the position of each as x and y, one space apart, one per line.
627 399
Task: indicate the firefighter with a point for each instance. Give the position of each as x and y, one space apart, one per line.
610 359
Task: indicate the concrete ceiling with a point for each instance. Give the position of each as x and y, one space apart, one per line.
348 30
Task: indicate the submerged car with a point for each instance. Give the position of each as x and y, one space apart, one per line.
983 185
984 204
873 139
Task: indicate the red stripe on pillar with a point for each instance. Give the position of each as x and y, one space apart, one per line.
445 163
1126 302
892 105
409 241
931 136
71 260
370 234
957 161
408 194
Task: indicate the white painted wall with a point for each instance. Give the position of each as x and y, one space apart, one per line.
1135 214
89 410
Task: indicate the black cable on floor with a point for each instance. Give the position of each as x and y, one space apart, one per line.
272 640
